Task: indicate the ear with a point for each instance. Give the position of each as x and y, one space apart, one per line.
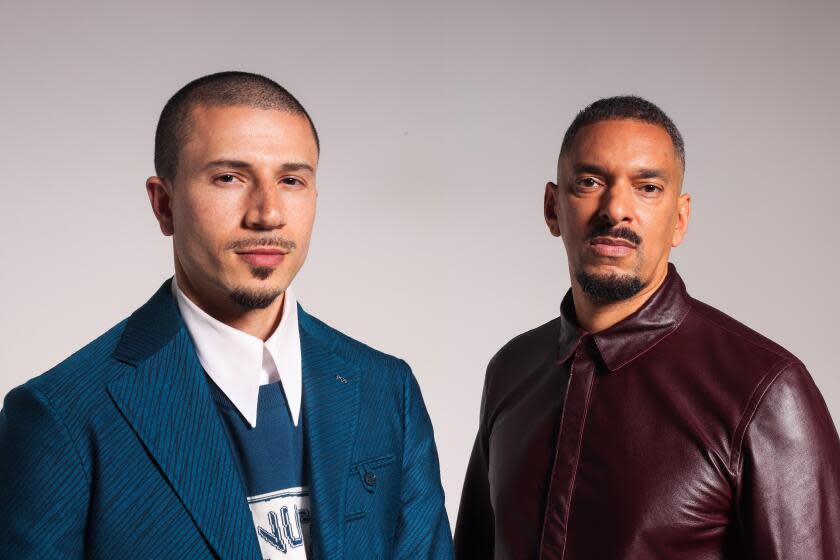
683 217
550 209
160 195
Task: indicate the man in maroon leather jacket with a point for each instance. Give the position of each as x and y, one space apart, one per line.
643 423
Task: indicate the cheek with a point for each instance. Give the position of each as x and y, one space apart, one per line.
658 237
301 217
575 220
205 220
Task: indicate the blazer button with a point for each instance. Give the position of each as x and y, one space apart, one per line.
370 479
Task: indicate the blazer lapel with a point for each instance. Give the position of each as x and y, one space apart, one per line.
168 404
330 416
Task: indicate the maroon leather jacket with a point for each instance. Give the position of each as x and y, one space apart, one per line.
683 434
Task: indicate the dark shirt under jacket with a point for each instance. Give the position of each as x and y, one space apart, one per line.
676 433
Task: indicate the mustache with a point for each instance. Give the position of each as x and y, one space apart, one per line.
276 241
606 230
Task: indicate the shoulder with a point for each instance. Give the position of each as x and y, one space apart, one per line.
349 349
528 345
91 366
736 364
55 409
523 354
719 330
390 394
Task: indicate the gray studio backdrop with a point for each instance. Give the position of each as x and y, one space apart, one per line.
440 125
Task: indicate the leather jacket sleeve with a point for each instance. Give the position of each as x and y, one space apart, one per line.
474 528
789 480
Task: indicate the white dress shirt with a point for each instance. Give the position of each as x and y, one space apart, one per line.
238 363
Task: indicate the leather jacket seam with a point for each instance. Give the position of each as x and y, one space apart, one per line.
743 336
577 463
753 404
554 461
557 445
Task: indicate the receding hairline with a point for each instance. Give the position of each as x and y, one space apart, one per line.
624 107
566 147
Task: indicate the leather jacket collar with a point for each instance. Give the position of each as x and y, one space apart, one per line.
631 337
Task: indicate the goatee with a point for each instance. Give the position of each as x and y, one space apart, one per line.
254 300
609 288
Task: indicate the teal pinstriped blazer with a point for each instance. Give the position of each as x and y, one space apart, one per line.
118 452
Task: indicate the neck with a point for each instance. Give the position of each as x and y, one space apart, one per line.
260 323
594 316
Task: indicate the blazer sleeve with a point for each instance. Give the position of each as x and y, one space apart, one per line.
423 530
790 478
43 486
474 530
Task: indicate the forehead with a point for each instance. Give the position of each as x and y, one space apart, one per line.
245 133
623 143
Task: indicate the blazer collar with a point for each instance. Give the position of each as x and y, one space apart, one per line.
150 328
167 402
620 344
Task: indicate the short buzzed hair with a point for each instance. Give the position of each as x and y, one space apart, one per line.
220 89
624 107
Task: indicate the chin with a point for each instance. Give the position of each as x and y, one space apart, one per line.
609 287
252 298
603 269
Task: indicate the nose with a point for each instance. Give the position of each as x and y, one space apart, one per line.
617 204
265 207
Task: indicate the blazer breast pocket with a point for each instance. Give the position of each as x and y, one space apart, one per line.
371 482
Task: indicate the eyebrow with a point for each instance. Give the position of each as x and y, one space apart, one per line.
590 168
239 164
644 173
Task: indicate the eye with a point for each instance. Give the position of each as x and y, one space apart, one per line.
226 178
587 184
292 181
650 189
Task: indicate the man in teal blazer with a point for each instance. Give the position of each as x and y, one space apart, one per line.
139 446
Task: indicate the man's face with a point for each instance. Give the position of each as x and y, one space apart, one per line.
618 207
242 204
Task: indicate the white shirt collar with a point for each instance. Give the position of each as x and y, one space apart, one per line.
239 363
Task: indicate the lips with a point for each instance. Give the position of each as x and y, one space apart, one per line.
612 246
262 257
